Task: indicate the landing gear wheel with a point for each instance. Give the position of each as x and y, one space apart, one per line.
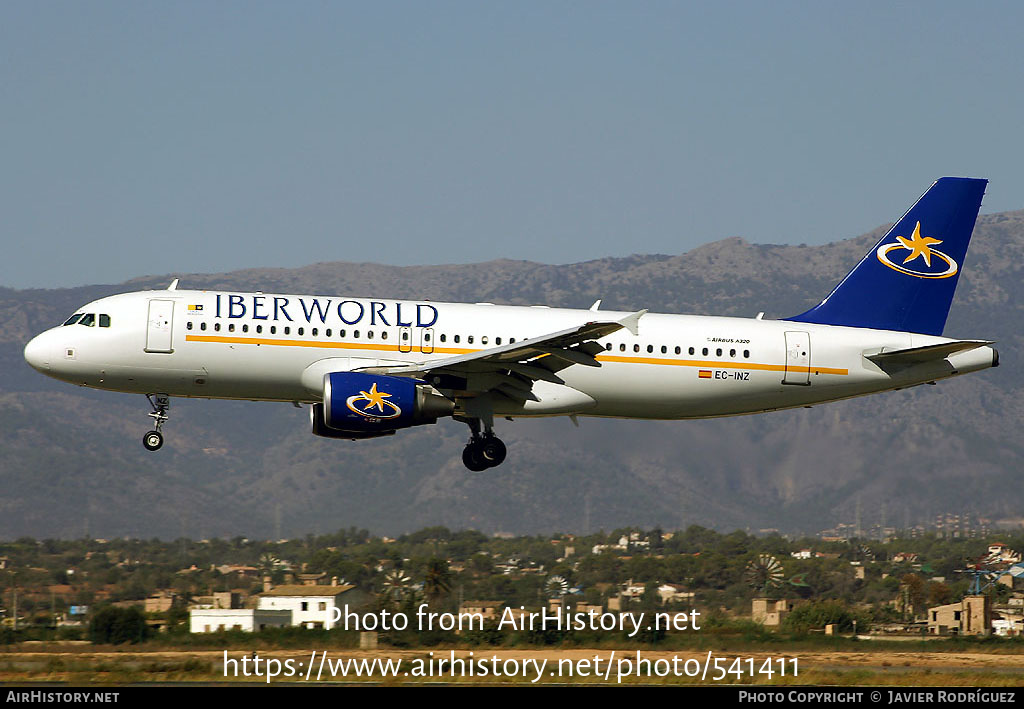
473 458
153 440
160 403
493 450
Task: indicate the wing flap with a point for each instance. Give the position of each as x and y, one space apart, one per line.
568 345
511 370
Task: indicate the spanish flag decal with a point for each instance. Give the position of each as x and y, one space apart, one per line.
704 374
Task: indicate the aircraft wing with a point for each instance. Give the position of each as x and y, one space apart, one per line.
513 368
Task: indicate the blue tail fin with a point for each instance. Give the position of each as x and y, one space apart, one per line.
904 283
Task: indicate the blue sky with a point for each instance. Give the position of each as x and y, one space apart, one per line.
144 138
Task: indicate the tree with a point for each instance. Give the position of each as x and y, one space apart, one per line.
911 592
113 626
438 581
822 613
938 593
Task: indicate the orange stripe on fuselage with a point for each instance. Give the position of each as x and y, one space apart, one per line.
457 350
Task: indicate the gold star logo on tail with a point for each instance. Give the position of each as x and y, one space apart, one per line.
918 245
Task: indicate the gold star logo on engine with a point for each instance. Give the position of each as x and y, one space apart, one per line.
374 400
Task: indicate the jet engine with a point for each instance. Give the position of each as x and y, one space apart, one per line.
360 405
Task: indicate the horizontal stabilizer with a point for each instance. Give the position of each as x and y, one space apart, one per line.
929 353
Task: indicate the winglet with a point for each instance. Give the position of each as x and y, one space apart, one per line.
174 285
632 322
597 305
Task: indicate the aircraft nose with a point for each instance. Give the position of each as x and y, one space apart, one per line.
38 353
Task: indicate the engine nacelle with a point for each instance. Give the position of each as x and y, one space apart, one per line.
360 405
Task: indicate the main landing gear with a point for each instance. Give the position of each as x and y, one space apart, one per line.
482 451
160 403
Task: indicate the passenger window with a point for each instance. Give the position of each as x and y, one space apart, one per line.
341 333
245 328
704 351
369 334
355 334
497 340
383 334
188 325
104 321
259 328
511 340
88 320
636 348
732 353
483 340
664 350
216 327
287 330
469 339
622 347
678 350
444 338
73 319
426 337
328 332
718 352
691 351
315 332
405 336
202 326
746 354
273 329
608 347
650 349
301 330
231 327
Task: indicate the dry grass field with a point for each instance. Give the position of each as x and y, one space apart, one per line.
85 665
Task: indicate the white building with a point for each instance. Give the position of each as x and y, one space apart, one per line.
674 593
210 620
312 606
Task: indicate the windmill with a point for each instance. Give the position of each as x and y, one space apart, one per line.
556 587
764 573
864 553
396 583
983 571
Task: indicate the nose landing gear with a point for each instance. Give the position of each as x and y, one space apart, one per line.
153 440
482 451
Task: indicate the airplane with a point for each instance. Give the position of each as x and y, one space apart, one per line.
369 368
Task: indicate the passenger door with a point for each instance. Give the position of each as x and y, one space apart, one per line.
798 358
160 326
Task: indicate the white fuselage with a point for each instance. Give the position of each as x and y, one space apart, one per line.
267 347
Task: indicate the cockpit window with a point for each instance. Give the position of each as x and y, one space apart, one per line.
104 320
73 319
89 320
